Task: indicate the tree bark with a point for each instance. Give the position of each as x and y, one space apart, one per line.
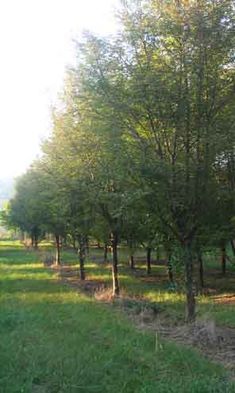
170 268
169 262
87 246
105 252
190 295
32 241
57 254
223 258
148 266
132 262
35 242
82 256
201 268
158 253
114 244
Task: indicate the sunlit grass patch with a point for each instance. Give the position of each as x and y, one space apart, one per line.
165 297
15 244
54 339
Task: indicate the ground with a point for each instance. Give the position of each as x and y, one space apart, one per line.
58 336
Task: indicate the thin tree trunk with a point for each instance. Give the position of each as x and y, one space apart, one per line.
131 252
35 242
223 258
105 252
201 268
82 256
87 246
132 262
114 244
57 254
190 295
158 253
169 262
148 266
170 268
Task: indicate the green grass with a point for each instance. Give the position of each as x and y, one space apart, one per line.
55 340
157 289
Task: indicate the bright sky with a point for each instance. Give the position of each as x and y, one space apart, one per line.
35 47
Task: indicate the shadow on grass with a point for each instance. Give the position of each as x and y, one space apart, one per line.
56 340
81 347
17 257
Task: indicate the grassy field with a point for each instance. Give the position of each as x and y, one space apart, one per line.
218 301
55 339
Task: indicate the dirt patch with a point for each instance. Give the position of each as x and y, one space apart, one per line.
215 342
225 299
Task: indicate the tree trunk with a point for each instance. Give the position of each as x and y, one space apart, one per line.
57 254
201 269
35 239
223 258
87 246
35 242
82 256
114 244
170 268
105 252
169 262
148 266
190 295
132 262
158 253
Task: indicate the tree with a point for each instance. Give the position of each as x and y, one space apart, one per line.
24 210
168 81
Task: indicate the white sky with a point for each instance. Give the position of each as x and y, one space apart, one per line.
35 47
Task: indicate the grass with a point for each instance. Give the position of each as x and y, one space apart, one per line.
156 288
55 340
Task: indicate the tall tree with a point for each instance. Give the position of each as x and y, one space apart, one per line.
167 81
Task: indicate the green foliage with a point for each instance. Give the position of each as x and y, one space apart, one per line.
143 142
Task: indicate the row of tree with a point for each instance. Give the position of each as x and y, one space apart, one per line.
143 142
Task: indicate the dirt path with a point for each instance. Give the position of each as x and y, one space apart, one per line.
215 342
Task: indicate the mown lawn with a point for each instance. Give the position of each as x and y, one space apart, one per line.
56 340
215 304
